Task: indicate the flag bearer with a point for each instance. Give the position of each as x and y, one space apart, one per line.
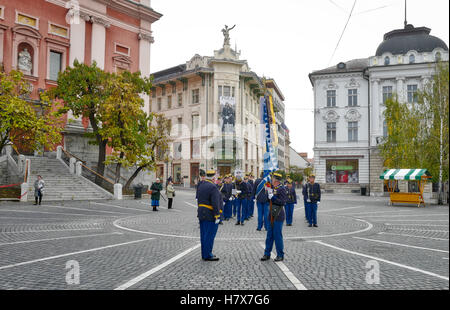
209 210
277 196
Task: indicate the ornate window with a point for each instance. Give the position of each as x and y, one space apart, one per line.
331 98
331 132
352 131
352 97
438 56
412 93
412 59
387 93
387 60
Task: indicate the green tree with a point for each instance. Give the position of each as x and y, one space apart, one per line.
123 120
20 123
83 90
295 173
154 146
433 109
418 132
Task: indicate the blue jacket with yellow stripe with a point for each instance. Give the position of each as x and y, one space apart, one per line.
209 200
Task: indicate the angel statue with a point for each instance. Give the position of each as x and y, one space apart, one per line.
226 34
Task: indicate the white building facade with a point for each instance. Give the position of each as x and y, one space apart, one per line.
349 105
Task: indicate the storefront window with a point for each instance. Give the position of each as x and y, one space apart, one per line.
342 171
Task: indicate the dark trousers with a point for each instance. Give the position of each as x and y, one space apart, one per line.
275 234
170 202
263 215
38 197
312 217
208 231
289 208
227 209
241 209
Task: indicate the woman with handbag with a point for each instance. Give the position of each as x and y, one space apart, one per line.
170 192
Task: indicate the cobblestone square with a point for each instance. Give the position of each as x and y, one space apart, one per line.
361 244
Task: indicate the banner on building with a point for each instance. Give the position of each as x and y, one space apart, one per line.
228 114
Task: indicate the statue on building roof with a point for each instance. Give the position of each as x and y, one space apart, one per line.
226 34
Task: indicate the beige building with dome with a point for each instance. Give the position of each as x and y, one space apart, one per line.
213 104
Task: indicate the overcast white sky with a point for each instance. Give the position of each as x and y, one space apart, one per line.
287 39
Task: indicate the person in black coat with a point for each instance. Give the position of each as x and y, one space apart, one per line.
311 196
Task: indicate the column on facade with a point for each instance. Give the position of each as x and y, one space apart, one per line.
144 63
98 44
77 48
400 89
375 107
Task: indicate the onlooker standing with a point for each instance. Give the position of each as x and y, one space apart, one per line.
170 192
39 185
311 195
156 193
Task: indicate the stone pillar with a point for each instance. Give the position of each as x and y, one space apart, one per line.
77 39
400 89
375 109
72 163
144 63
23 192
21 163
78 168
59 152
8 149
118 191
98 41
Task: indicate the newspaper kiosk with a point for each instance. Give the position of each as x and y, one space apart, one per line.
391 178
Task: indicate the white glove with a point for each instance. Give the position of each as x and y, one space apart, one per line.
318 203
217 221
238 192
231 198
270 191
309 200
270 196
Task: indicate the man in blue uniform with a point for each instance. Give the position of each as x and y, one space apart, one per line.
227 197
311 195
277 196
291 202
240 200
251 182
262 202
247 199
209 210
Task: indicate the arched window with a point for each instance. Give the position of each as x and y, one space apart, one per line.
438 56
387 60
412 59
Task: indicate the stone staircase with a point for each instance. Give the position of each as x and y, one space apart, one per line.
60 184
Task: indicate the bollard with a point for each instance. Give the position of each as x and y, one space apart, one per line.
72 163
118 191
78 168
59 152
24 192
21 164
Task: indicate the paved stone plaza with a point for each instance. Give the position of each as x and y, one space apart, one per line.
124 245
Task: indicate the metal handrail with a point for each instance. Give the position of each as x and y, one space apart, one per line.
26 172
97 174
71 155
